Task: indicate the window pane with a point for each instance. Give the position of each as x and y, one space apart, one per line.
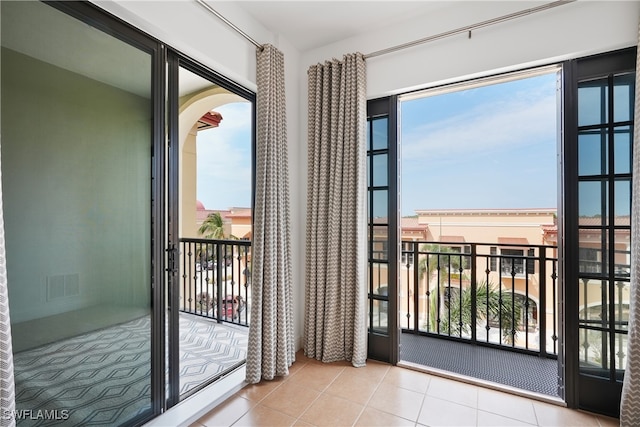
380 134
380 204
380 310
621 308
591 253
380 172
623 96
622 254
622 190
622 149
594 303
621 352
592 152
594 353
592 203
380 242
380 278
593 102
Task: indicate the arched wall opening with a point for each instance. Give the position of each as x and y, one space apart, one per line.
193 107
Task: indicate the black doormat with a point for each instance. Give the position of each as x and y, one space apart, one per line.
523 371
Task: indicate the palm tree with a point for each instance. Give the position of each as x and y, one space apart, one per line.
492 306
436 259
212 227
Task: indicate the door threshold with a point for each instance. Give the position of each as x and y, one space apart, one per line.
195 407
483 383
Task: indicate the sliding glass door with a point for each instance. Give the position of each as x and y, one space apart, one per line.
210 200
121 303
77 152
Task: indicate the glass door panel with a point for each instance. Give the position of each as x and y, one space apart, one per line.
77 120
604 150
211 218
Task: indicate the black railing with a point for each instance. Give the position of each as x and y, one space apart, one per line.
216 279
486 293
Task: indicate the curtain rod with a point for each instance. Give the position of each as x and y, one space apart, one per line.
468 28
229 23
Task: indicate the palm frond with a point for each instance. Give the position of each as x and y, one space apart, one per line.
493 306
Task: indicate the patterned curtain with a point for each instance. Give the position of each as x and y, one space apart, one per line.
630 403
7 386
271 348
335 327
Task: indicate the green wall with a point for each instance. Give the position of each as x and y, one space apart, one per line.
76 156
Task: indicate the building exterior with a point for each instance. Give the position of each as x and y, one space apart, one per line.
237 222
504 245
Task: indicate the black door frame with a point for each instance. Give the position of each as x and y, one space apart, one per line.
384 345
583 391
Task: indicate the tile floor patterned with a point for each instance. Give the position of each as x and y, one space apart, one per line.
337 394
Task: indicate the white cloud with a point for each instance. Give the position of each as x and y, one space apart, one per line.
501 124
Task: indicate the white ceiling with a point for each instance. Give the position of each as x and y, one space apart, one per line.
311 24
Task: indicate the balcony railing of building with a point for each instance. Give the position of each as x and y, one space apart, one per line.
486 293
216 279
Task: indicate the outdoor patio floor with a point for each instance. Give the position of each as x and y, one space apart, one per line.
104 374
522 371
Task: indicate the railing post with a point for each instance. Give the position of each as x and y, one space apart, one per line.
217 284
474 287
186 261
542 307
416 288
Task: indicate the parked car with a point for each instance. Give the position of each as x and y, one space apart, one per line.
232 306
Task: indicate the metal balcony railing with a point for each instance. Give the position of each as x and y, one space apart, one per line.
216 279
485 293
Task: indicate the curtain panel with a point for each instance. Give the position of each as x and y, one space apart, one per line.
7 384
271 347
335 327
630 402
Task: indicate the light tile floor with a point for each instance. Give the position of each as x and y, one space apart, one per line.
337 394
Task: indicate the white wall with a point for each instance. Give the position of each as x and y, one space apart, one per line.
195 32
570 31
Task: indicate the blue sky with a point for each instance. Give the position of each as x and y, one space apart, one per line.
224 159
487 147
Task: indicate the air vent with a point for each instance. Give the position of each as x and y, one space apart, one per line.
63 286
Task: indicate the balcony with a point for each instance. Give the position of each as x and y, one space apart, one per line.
215 289
494 304
216 279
